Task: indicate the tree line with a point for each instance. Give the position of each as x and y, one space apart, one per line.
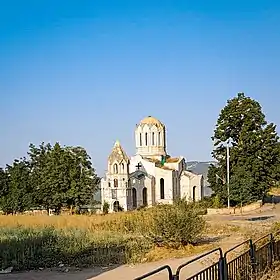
50 177
254 150
56 177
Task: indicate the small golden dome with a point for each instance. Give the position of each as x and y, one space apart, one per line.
151 121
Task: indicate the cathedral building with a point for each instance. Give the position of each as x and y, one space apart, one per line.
150 176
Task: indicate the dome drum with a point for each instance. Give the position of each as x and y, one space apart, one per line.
150 138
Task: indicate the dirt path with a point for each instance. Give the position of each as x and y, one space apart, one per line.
126 272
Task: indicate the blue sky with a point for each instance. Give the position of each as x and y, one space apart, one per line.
85 72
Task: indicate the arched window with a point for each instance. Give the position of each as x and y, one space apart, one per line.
109 184
115 168
159 142
122 168
134 198
116 206
140 139
153 138
146 139
114 193
161 182
145 202
116 183
193 193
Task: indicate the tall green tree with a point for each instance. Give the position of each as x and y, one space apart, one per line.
38 160
84 181
17 197
241 185
4 182
254 147
62 176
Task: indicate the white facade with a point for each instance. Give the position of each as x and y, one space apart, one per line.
149 177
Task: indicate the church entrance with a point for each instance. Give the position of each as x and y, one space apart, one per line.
145 201
116 206
194 191
134 198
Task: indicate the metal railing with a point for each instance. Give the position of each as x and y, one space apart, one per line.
240 266
156 271
212 272
255 260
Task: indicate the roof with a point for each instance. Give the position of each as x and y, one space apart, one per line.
118 154
191 174
151 159
172 160
158 163
151 121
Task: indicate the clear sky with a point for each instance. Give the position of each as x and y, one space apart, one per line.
85 72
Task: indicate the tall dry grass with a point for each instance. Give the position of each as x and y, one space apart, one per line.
117 222
93 222
30 248
33 241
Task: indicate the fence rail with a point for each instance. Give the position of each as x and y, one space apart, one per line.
156 271
211 272
256 258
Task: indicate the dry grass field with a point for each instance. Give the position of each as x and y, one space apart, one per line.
29 242
32 242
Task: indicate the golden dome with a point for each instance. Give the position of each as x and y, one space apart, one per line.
151 121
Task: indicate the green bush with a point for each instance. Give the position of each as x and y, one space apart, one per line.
106 207
217 202
175 225
34 248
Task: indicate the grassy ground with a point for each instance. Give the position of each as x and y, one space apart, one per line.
31 242
111 233
28 242
121 229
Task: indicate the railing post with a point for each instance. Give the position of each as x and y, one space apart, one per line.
253 258
271 251
223 275
275 247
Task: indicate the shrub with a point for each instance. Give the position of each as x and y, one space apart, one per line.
106 207
175 225
217 202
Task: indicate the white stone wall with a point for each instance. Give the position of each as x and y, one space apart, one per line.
185 187
167 176
114 185
121 168
172 165
110 193
148 166
191 186
196 185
